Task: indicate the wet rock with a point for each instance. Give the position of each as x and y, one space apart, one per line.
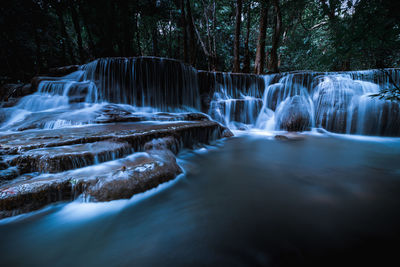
12 101
289 137
57 159
38 79
8 174
166 143
294 114
57 150
116 113
227 133
136 134
158 168
10 93
61 71
6 90
108 181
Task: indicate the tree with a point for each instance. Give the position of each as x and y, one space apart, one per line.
321 35
276 37
236 62
246 63
184 31
260 54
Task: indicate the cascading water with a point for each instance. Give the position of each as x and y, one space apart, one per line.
296 101
146 84
236 98
338 102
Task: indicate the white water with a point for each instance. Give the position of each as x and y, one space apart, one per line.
337 102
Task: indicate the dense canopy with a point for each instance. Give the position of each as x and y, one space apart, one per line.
241 36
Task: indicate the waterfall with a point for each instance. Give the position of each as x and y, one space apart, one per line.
295 101
236 98
146 82
336 101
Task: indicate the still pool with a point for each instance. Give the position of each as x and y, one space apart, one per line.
250 200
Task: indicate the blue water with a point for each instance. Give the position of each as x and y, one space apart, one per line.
251 200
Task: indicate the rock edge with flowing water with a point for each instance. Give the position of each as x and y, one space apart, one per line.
110 128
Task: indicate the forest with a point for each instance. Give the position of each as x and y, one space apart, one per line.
265 36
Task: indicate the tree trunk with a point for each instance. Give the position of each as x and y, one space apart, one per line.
184 31
139 47
77 27
246 65
192 43
260 53
276 37
214 48
154 40
236 60
66 41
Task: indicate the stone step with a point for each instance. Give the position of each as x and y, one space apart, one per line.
104 182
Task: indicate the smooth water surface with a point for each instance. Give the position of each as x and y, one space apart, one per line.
250 201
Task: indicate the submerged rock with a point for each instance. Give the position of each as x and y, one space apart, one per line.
290 137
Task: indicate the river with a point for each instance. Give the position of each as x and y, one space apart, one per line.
250 200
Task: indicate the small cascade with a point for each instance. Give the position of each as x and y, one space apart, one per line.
145 82
236 100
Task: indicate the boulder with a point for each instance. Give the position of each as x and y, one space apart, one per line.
290 137
62 71
14 91
294 115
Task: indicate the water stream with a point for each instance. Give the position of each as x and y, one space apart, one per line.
329 198
249 201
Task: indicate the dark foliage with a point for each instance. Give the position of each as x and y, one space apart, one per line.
300 34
